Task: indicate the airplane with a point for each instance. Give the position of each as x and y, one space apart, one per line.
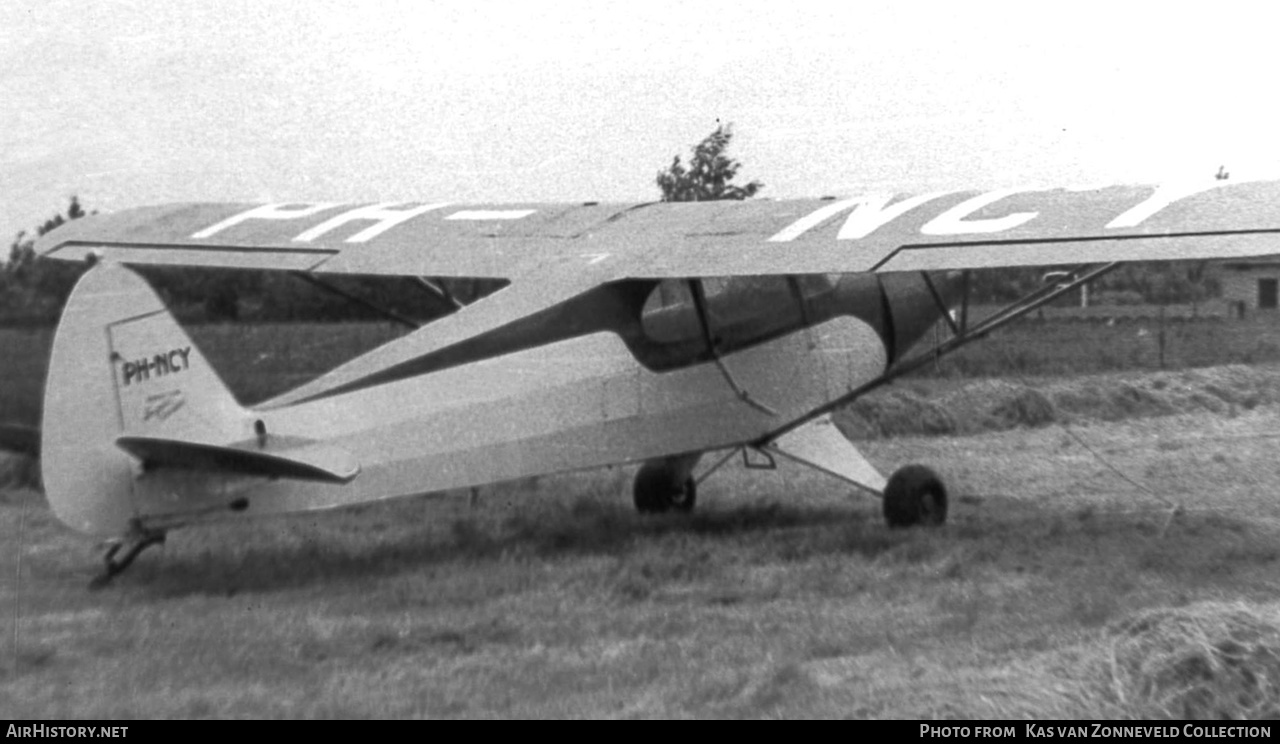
649 333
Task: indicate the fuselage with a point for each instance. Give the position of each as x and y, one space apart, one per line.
629 378
626 372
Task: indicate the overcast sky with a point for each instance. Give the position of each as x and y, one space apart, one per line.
144 101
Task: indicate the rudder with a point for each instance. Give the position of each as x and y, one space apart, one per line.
121 365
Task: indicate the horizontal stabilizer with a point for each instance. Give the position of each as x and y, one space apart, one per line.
19 438
275 457
819 444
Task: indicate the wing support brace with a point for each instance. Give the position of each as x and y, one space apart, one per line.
384 312
1083 275
820 445
700 305
440 290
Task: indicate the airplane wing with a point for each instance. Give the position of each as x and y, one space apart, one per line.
870 232
401 239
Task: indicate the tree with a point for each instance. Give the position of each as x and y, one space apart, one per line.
32 289
709 173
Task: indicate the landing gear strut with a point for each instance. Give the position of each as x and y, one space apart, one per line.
139 539
915 495
666 485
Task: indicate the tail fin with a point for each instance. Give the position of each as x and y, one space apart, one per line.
122 366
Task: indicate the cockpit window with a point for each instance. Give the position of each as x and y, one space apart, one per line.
740 310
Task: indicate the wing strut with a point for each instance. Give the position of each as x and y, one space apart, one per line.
942 306
1037 299
700 305
439 290
384 312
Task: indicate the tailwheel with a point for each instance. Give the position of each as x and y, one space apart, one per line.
132 544
666 485
915 496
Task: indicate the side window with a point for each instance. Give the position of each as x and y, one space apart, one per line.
669 315
741 310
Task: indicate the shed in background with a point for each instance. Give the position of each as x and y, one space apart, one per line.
1250 286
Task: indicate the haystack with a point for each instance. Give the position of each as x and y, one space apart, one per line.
1210 660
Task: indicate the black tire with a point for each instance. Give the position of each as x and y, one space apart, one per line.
684 499
915 496
656 491
648 488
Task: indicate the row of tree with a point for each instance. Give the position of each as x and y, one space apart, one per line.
1163 283
33 291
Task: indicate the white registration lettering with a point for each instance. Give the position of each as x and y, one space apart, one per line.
1160 198
870 212
385 217
953 222
813 219
285 211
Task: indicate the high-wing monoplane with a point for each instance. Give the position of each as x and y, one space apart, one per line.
626 333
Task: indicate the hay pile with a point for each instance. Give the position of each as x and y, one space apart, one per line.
999 404
1210 660
894 413
995 405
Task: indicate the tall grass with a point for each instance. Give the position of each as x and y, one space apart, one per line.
1206 661
929 409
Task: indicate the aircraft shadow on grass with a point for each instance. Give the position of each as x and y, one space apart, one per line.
1000 533
583 530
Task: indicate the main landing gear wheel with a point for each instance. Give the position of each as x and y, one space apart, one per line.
915 496
659 488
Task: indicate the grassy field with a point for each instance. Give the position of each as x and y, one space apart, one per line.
1064 585
1058 589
